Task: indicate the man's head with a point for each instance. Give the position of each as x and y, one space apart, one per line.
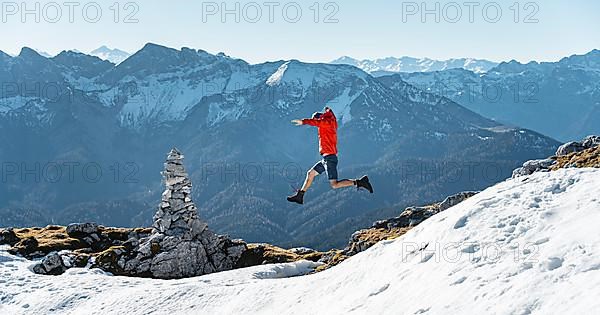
317 115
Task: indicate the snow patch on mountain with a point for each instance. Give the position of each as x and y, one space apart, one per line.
160 99
298 76
226 111
8 104
341 105
276 77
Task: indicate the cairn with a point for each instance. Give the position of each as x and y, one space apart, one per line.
180 245
177 214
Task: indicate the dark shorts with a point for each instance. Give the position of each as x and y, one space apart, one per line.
327 164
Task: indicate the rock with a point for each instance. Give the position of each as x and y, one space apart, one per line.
302 250
331 258
591 142
26 247
569 147
81 230
108 260
51 264
81 260
8 236
453 200
533 166
574 146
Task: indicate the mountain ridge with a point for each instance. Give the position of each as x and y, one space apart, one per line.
388 65
538 96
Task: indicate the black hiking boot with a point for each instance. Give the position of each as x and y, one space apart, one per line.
297 198
364 183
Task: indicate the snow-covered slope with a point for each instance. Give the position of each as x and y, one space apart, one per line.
524 246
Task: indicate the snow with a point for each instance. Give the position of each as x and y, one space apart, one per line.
115 56
341 105
523 246
8 104
411 64
163 98
276 77
294 73
219 112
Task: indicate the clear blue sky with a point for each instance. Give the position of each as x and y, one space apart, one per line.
364 29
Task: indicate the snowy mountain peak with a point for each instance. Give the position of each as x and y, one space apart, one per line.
27 52
410 64
115 56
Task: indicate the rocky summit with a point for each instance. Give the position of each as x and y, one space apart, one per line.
180 245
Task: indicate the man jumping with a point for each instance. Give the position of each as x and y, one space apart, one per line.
327 127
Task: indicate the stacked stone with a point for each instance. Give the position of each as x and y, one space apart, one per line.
177 215
181 245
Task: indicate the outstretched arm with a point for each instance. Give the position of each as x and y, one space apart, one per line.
311 121
307 121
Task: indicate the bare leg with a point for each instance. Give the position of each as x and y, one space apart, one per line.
310 176
335 184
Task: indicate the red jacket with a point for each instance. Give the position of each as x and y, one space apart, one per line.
327 125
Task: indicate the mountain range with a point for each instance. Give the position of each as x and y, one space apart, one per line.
390 65
559 99
231 119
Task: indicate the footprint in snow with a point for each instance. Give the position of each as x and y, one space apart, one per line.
426 257
553 263
459 280
422 310
555 188
461 222
383 288
470 248
541 241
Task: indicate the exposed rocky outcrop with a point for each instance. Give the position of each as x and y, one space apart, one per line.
82 229
533 166
578 146
258 254
586 158
39 242
582 153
